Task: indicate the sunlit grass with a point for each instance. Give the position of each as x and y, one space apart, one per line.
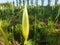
3 34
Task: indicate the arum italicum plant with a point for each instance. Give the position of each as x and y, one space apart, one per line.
3 34
25 25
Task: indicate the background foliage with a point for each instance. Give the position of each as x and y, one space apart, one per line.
44 24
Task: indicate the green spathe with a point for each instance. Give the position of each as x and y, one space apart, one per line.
25 24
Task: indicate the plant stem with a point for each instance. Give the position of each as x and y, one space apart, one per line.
25 42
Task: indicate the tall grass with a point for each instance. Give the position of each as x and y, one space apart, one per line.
57 15
3 34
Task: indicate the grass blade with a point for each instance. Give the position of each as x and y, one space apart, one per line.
4 35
